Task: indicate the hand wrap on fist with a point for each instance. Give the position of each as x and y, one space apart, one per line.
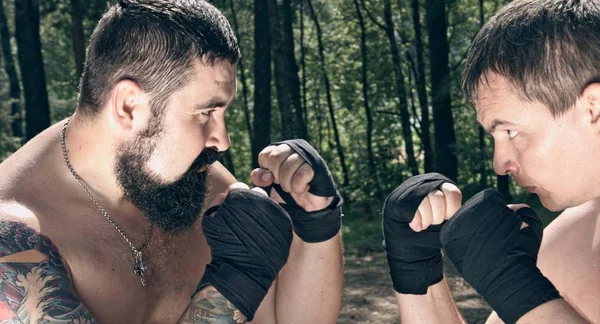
320 225
495 256
250 237
414 258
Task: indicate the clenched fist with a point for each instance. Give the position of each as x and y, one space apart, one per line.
302 183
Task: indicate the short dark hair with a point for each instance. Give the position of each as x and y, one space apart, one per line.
155 44
549 50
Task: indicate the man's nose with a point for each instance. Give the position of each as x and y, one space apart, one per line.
219 137
505 161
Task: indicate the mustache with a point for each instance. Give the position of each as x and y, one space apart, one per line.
207 157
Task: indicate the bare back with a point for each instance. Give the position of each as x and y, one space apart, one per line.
68 240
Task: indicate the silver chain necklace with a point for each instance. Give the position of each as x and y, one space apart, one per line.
139 266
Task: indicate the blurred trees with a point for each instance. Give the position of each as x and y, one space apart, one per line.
374 85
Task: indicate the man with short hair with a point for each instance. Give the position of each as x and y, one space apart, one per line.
533 74
99 214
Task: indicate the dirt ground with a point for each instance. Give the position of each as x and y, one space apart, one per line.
369 299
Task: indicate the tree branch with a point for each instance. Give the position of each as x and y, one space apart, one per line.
373 19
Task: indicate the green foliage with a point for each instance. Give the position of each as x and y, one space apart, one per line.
341 37
8 143
362 237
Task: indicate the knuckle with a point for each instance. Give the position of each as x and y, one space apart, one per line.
266 151
272 158
452 192
304 171
437 196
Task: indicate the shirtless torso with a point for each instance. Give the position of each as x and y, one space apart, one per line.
38 192
570 257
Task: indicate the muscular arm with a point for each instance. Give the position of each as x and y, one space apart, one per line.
309 288
437 306
34 284
556 311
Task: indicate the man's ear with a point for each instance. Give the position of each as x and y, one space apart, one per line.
591 104
129 106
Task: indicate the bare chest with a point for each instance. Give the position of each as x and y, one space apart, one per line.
105 281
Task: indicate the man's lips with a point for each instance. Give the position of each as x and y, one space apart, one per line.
529 188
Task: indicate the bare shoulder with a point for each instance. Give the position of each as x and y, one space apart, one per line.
17 212
34 282
570 257
577 227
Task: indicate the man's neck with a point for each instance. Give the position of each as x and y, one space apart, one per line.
91 152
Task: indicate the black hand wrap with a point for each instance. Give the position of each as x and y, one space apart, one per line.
414 258
487 246
250 237
321 225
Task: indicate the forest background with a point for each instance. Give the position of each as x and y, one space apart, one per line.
374 85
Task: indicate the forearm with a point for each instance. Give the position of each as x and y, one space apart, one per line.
209 306
555 311
434 307
309 288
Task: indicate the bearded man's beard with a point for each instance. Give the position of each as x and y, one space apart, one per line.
174 207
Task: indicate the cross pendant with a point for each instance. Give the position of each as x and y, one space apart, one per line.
139 267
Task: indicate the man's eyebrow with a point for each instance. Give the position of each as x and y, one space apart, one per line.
497 122
214 103
210 104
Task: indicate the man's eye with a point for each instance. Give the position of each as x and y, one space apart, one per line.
208 112
512 133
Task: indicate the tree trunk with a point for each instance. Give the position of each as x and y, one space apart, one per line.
404 113
318 116
303 64
13 79
262 80
336 134
445 138
228 162
292 69
37 109
422 89
483 156
242 73
281 82
365 89
78 39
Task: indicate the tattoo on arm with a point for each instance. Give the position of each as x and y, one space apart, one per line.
34 284
210 307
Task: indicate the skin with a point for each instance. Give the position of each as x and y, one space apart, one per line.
555 158
310 264
92 262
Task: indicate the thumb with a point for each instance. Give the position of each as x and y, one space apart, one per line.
533 221
261 177
529 238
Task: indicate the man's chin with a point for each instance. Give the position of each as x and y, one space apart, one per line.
551 204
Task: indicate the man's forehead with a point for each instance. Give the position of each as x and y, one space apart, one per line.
492 90
219 71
